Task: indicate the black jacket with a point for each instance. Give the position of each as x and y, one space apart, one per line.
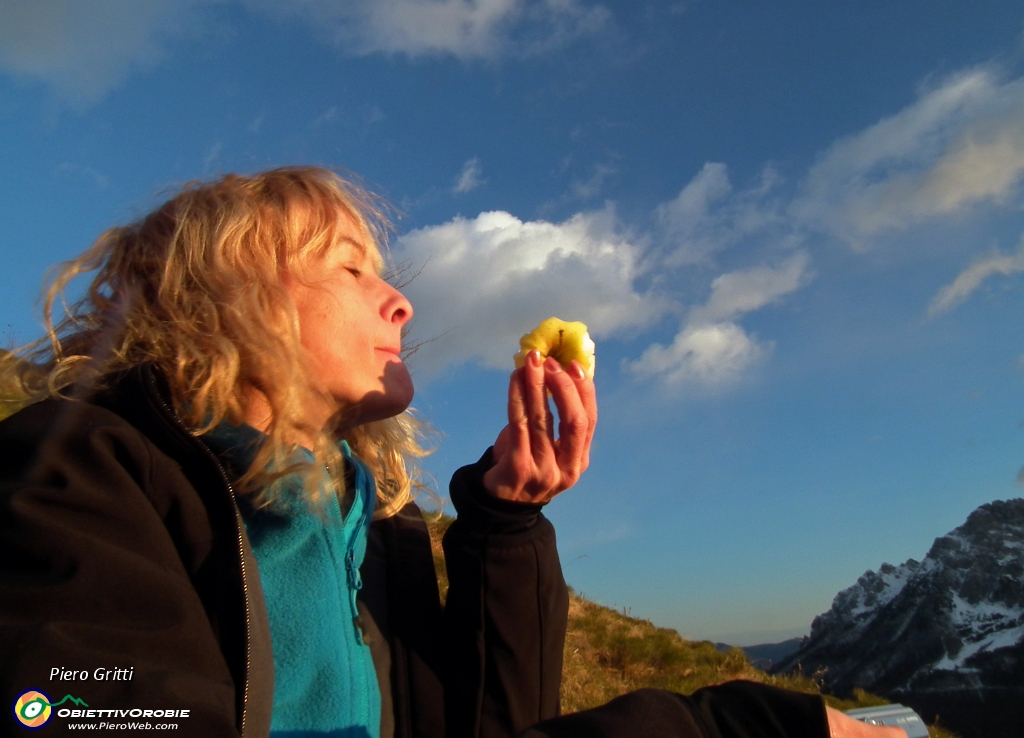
121 548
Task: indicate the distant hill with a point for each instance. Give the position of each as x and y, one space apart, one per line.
764 655
944 635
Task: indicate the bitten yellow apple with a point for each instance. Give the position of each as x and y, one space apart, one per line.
562 340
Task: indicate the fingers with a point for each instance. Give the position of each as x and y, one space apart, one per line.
518 423
513 462
525 468
530 464
501 444
541 432
572 447
588 397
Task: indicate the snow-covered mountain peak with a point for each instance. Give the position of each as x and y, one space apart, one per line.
948 630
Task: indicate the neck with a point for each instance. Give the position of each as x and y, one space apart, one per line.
259 414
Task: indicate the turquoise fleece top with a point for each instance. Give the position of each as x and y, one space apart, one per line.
324 678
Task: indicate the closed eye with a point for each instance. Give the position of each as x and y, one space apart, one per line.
353 271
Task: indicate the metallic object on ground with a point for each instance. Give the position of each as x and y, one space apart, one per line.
899 716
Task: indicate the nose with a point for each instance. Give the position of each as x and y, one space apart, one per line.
395 309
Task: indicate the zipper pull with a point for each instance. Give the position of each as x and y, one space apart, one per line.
361 637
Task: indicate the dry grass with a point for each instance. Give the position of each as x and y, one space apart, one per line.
608 654
11 396
438 526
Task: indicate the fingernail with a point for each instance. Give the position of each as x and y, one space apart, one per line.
576 369
552 366
535 358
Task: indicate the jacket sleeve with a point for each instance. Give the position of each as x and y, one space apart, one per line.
505 614
505 622
95 599
738 709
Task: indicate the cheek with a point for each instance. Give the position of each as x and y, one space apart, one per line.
324 322
323 336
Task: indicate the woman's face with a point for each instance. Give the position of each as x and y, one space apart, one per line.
350 322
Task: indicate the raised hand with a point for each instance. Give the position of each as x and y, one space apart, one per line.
531 463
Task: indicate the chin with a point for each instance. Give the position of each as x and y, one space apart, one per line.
392 399
397 386
401 402
381 411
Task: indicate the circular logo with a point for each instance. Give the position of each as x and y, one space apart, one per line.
32 709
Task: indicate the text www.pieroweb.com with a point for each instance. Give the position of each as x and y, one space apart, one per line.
114 719
122 726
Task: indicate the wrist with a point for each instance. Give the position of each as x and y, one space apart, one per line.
482 510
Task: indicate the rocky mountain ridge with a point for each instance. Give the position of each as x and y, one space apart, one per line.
944 635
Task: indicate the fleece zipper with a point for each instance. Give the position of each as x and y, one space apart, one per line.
172 417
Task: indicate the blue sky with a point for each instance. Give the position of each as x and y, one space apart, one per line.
794 229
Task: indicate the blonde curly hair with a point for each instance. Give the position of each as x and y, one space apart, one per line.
195 289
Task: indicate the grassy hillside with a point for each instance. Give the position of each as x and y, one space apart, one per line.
11 395
608 653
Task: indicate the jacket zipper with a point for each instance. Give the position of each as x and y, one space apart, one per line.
241 548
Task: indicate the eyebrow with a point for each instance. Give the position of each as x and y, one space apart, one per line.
373 255
352 242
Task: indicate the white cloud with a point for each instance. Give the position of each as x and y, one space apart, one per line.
711 348
971 278
981 165
692 204
466 29
592 186
98 178
470 177
211 162
372 114
487 280
707 216
744 291
84 49
325 117
708 354
256 123
958 146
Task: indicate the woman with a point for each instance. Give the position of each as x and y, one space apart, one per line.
186 505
